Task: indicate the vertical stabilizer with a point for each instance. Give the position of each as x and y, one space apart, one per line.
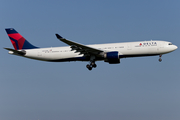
18 41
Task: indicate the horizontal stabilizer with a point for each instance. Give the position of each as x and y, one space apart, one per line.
22 52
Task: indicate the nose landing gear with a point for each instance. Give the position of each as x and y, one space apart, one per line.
160 59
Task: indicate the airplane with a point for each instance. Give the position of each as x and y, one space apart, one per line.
110 53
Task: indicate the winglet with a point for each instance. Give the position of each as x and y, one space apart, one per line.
58 36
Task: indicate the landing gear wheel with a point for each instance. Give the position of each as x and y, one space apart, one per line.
89 67
160 59
93 65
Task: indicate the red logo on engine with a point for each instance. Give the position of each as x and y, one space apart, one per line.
140 44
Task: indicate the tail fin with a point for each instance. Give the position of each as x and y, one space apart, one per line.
18 41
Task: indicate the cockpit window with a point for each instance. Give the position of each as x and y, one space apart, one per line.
170 44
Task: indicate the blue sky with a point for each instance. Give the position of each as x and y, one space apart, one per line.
138 88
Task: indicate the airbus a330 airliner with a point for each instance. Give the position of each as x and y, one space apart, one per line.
111 53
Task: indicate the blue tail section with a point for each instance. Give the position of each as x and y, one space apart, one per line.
18 41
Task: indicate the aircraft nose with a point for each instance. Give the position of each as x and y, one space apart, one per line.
175 47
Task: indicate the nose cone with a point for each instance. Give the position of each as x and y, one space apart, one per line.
175 47
172 48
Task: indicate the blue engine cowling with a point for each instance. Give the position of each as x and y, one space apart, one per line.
112 57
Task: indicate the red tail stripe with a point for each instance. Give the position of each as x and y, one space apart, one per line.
19 38
21 42
14 44
15 36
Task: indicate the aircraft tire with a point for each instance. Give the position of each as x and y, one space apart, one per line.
160 59
89 67
94 65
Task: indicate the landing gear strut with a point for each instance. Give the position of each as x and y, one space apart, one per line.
160 59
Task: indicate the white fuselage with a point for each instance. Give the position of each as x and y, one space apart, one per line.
128 49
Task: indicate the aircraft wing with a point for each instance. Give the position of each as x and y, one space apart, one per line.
83 49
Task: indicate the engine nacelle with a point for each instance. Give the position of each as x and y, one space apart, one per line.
112 57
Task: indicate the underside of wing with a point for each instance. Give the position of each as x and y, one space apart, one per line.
82 49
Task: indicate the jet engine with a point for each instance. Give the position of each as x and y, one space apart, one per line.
112 57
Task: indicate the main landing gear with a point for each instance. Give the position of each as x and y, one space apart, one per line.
160 59
91 65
